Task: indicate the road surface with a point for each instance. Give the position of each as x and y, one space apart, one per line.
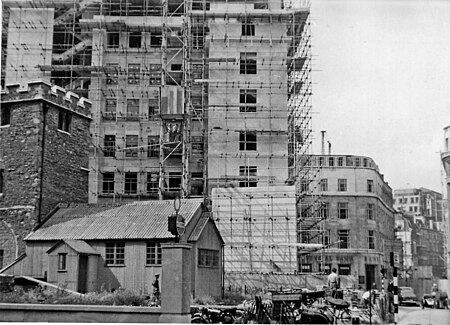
410 315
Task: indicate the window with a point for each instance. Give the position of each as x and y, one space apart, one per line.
111 105
411 200
324 185
342 185
132 109
249 172
247 140
208 257
415 209
152 183
340 161
109 147
343 238
325 268
115 254
342 210
365 164
331 161
417 200
153 107
62 258
131 141
248 28
371 239
5 118
156 39
324 210
130 183
134 73
108 183
155 74
112 74
326 237
305 268
321 161
370 211
113 40
176 67
153 146
344 269
370 186
174 181
248 63
134 40
2 256
153 254
247 99
261 4
64 121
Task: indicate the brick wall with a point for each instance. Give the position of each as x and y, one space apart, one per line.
54 161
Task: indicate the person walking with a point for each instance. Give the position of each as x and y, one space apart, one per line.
156 291
334 282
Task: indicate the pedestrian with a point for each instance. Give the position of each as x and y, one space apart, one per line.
334 282
156 291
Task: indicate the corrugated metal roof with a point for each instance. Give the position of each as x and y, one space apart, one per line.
66 212
80 246
199 228
137 220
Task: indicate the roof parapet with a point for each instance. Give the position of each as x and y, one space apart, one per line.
42 89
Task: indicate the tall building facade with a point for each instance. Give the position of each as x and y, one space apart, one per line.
356 218
424 204
186 95
44 155
445 157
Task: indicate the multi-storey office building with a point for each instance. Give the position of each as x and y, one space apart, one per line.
187 95
423 203
356 218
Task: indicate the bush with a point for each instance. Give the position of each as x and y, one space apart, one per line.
39 295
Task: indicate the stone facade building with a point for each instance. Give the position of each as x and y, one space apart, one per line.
356 218
44 148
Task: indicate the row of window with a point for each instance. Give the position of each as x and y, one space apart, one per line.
115 255
344 239
342 210
404 200
64 119
247 101
342 185
343 269
248 65
247 141
172 182
341 161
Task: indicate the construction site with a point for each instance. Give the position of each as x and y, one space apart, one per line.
197 98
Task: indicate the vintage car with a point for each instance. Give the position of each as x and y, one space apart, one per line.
435 300
406 296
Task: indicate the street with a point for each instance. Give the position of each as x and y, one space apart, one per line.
416 315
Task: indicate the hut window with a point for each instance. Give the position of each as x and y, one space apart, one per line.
62 259
115 254
153 254
208 258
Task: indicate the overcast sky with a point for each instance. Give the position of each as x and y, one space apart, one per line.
381 84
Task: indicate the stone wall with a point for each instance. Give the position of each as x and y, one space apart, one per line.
42 165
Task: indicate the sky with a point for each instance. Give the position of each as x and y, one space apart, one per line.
381 84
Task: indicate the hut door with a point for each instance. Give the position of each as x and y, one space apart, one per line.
82 273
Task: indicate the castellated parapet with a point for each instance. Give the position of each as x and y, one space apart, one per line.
44 148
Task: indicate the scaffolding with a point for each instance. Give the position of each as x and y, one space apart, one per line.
188 96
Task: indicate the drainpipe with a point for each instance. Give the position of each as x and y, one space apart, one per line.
41 185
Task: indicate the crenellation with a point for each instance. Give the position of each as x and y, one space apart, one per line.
38 89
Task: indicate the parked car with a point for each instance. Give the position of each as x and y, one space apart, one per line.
406 296
436 300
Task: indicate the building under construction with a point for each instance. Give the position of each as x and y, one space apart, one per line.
186 96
